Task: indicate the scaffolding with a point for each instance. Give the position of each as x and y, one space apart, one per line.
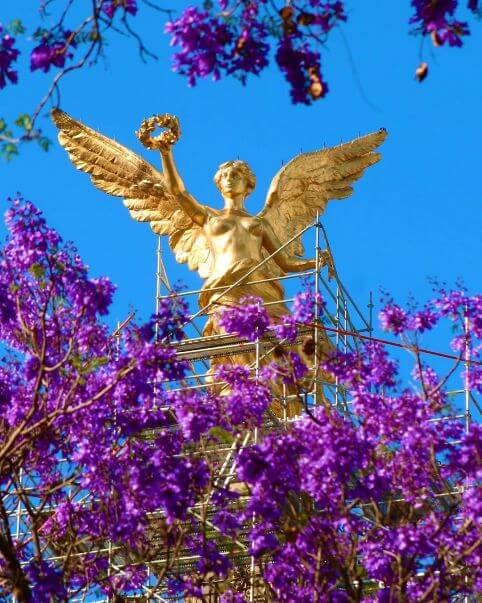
341 320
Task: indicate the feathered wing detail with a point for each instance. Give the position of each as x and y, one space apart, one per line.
118 171
304 186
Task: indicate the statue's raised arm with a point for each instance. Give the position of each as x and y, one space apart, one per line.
303 187
147 193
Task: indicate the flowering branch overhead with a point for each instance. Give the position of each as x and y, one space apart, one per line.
212 38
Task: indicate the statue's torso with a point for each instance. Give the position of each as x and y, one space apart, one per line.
233 238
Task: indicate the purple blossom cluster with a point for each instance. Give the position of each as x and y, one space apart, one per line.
376 499
300 65
234 39
243 403
203 40
213 38
8 56
436 19
53 50
69 391
361 494
249 320
237 38
211 45
464 311
53 46
306 306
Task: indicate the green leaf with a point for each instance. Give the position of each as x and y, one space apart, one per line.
3 125
8 150
40 33
16 27
24 121
93 364
221 434
44 143
37 270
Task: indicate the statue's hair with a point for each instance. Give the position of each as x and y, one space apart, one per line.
242 167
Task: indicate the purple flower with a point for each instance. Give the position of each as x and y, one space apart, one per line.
52 51
287 329
372 367
251 50
210 558
132 577
451 303
231 597
261 541
474 378
46 581
421 321
227 522
8 56
215 45
196 415
204 44
173 314
436 19
301 68
393 319
296 369
246 400
109 7
249 320
305 305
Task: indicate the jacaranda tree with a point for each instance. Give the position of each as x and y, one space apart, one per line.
212 38
110 480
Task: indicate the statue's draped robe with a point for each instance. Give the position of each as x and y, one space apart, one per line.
273 295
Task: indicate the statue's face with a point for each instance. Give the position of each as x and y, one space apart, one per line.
233 182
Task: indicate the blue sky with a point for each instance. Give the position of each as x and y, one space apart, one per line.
416 214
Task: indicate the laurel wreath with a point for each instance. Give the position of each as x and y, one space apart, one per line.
164 140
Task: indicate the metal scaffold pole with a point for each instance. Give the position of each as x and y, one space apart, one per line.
317 307
161 279
467 415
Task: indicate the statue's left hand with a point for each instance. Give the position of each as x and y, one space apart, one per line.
326 259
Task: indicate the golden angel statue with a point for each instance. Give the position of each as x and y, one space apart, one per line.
226 245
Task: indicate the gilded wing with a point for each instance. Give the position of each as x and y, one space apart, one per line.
304 186
118 171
